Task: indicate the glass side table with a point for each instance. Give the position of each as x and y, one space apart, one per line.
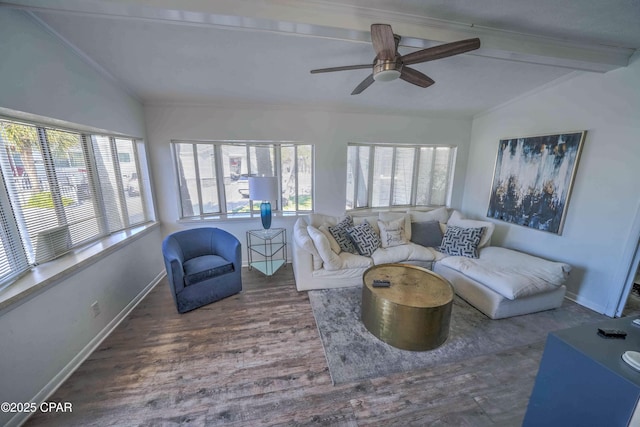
267 249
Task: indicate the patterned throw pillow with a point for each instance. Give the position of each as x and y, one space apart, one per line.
460 241
339 232
364 238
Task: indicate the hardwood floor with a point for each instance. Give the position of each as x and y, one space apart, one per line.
256 359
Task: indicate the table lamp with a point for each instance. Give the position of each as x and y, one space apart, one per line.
265 189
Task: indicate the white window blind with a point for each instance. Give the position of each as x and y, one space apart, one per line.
61 189
213 176
385 175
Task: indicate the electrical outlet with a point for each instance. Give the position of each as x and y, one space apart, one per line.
95 308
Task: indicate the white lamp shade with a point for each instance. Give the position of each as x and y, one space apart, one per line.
264 188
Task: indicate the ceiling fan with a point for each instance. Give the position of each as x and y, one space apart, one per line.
389 64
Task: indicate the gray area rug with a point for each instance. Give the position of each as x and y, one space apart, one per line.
353 353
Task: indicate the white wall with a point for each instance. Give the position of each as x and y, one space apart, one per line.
46 337
40 75
328 131
598 237
43 338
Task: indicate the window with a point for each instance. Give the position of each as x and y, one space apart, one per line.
385 175
213 177
61 189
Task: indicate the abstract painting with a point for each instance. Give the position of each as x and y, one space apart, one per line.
533 178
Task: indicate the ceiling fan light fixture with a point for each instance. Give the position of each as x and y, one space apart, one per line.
386 71
386 75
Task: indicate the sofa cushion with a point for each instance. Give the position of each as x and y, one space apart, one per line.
426 233
459 221
392 232
408 252
330 259
319 219
364 238
205 267
438 214
339 232
510 273
460 241
354 261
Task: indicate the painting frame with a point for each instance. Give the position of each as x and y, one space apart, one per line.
533 178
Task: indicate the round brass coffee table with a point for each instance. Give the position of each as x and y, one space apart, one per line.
413 313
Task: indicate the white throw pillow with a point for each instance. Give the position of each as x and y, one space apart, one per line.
331 260
303 240
390 216
392 233
458 220
333 243
439 214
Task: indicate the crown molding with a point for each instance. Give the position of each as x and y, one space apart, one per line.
346 22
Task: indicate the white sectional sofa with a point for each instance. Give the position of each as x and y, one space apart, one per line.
500 282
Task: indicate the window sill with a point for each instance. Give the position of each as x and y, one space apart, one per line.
42 276
240 217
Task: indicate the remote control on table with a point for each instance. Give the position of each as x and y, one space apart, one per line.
611 333
381 283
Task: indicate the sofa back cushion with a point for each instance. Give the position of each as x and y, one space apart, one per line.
439 214
319 219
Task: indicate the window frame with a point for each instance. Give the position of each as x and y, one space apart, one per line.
254 207
12 226
414 177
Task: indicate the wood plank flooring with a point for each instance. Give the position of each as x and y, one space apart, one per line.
256 359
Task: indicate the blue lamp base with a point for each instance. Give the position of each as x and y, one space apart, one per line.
265 214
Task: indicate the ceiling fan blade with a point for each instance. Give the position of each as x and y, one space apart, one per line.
363 85
416 77
442 51
383 41
344 68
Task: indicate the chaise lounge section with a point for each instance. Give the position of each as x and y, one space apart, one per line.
499 282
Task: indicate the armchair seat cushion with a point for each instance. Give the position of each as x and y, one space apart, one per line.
205 267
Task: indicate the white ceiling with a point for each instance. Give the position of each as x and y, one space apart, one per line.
260 52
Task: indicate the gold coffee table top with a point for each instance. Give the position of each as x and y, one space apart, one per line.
413 313
410 285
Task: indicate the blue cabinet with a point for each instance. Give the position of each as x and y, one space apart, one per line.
583 381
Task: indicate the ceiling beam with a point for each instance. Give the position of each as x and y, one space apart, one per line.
344 22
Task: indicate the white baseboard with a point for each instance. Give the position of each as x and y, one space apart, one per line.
598 308
65 373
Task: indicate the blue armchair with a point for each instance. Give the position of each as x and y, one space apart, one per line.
203 265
